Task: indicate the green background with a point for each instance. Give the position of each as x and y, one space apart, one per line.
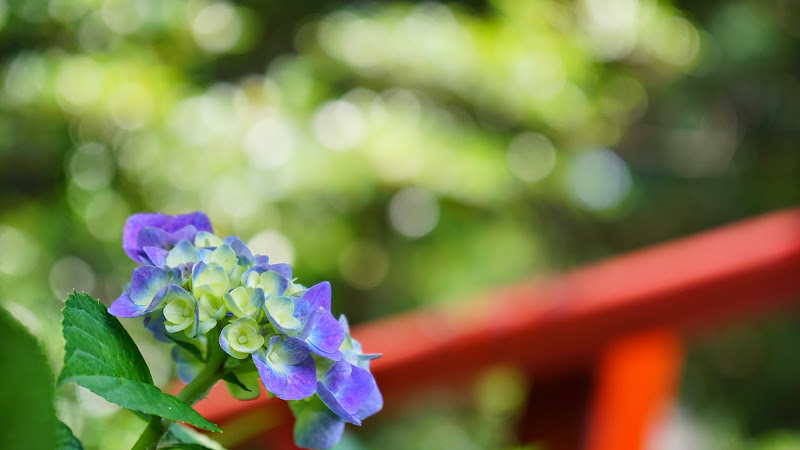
411 153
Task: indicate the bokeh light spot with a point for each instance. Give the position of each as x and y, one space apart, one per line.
122 17
91 166
20 252
530 156
339 125
25 77
217 28
598 179
105 215
364 265
414 212
273 244
71 273
270 142
79 83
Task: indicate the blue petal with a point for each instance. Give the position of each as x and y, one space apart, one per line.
146 281
286 369
371 405
316 426
187 365
336 376
242 252
319 295
154 237
262 263
364 359
198 269
344 323
157 256
283 269
124 307
155 323
186 233
346 393
323 334
204 254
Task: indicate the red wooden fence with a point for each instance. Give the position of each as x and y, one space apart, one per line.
618 325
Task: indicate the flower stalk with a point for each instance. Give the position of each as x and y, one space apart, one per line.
193 392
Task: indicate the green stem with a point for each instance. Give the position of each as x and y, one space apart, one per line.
191 394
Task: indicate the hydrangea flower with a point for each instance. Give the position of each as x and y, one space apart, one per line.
198 290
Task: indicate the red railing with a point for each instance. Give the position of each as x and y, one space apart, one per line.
603 342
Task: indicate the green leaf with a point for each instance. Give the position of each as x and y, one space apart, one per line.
182 435
143 397
66 440
101 356
243 383
27 415
97 344
230 377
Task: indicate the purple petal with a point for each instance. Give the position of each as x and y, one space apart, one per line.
156 255
323 334
199 220
169 224
261 260
146 282
154 237
292 351
319 295
284 380
336 376
346 397
124 307
330 401
186 233
135 224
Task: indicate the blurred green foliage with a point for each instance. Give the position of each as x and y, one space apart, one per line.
410 153
27 414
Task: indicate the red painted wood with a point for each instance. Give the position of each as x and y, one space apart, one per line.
555 326
561 325
635 384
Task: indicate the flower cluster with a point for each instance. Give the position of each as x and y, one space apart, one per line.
195 289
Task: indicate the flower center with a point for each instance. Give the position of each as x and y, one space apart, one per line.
187 312
242 339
